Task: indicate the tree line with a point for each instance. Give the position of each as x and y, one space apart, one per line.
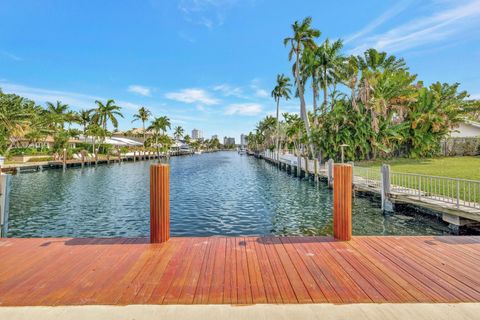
23 122
370 102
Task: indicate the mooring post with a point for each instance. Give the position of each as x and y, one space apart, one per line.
64 158
315 169
299 165
159 203
134 156
82 154
342 202
385 190
306 166
4 194
330 165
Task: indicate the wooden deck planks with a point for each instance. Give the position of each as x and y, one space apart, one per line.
239 270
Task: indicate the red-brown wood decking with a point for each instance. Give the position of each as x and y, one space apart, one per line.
240 270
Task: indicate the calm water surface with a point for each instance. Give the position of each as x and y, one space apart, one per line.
211 194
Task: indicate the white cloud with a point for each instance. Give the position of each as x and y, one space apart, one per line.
262 93
440 25
387 15
141 90
245 109
187 37
258 91
10 55
192 95
228 90
475 96
209 13
40 95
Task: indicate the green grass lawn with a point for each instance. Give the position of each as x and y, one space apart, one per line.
451 167
454 167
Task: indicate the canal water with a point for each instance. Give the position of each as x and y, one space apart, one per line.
211 194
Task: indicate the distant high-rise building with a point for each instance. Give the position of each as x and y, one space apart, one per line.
243 139
215 136
228 141
197 134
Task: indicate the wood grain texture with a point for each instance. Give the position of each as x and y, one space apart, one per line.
239 270
159 203
342 202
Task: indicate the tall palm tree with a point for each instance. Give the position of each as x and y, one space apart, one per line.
105 113
281 90
58 113
178 132
303 37
187 139
15 112
330 63
311 69
84 118
349 72
159 127
143 115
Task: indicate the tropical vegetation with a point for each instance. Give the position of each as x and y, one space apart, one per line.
371 102
23 124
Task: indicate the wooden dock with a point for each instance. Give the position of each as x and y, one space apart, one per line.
239 270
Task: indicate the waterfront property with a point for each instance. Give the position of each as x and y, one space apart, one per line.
239 270
455 200
219 193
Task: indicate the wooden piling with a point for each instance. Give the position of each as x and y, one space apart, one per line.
64 159
159 203
329 167
342 202
83 158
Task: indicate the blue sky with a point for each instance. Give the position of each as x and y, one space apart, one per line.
211 64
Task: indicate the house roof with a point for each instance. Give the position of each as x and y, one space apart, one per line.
473 123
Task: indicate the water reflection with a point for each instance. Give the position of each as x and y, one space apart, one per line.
211 194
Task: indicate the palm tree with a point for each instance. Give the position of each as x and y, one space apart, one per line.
15 112
143 115
350 78
311 68
159 127
178 132
84 118
58 113
105 113
303 37
330 62
281 90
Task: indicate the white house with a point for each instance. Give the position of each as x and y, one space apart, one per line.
468 129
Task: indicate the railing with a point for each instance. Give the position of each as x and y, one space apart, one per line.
459 192
367 177
456 191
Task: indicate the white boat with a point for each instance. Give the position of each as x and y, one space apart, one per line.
242 151
198 152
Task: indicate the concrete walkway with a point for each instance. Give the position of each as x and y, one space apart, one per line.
257 312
